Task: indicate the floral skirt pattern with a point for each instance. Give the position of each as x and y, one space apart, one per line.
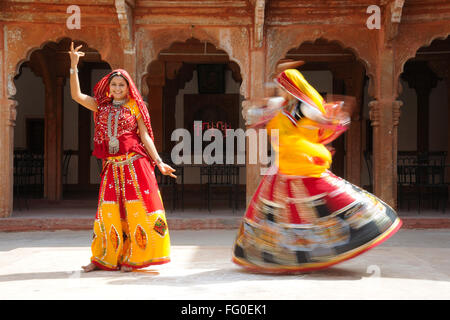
130 227
297 224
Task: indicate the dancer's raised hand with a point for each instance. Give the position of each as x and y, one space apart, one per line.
75 54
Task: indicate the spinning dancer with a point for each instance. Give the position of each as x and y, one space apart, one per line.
302 217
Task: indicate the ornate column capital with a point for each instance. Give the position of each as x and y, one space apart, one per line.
10 111
374 113
377 106
396 112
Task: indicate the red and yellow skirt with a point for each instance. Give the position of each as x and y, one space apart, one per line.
298 224
130 227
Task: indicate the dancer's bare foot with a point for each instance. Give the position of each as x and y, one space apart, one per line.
126 269
90 267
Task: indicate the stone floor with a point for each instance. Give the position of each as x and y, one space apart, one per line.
413 264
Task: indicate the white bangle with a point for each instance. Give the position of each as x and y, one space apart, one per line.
72 71
158 161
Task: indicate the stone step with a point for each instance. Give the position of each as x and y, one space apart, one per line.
16 224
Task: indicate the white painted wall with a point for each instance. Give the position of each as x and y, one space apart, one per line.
70 137
438 119
31 103
192 175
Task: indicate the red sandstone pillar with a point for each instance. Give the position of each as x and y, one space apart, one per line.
7 124
384 115
447 177
256 90
84 131
353 160
353 151
155 82
54 96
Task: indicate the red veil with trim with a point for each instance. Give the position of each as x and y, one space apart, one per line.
101 95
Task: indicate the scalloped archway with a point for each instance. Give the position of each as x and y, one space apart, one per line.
424 124
232 41
167 76
342 72
51 63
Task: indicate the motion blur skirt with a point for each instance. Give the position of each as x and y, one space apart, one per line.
297 224
130 227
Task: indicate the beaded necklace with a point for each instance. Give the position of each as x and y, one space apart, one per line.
113 141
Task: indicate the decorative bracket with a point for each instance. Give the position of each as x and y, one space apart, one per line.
393 18
11 111
259 22
375 109
124 9
396 112
374 113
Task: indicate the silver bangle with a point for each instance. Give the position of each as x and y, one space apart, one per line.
72 71
158 161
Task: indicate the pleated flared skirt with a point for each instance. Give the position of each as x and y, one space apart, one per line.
298 224
130 227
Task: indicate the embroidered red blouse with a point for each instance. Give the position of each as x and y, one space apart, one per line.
127 131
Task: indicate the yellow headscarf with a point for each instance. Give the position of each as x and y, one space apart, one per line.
294 82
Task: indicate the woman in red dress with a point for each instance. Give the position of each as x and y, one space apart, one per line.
130 228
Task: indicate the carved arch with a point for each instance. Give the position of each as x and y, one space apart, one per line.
164 40
411 51
360 57
12 73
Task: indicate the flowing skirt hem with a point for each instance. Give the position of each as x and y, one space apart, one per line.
322 265
147 264
152 262
103 266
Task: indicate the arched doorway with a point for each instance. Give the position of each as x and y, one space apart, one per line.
194 81
423 131
51 129
333 69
